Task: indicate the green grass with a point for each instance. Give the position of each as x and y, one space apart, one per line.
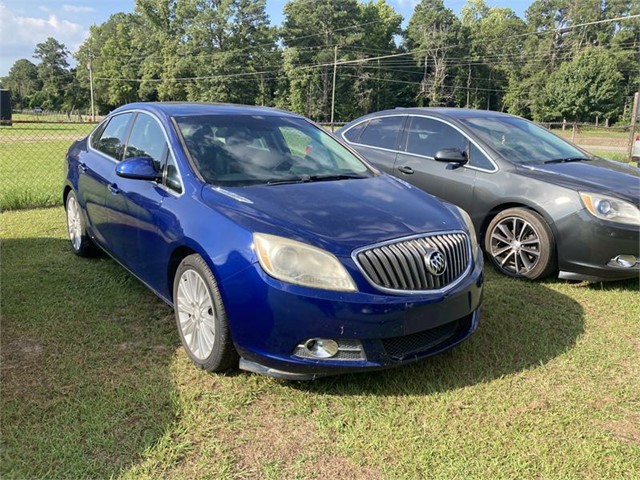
617 156
602 132
32 163
96 385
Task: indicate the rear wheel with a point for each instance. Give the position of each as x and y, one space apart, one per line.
520 244
201 317
80 242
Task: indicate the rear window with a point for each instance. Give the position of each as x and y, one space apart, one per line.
382 132
353 134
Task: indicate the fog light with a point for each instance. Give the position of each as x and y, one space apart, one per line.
623 261
321 347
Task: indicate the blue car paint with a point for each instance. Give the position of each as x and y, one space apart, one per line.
142 225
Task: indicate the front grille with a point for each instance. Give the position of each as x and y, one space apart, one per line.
402 265
399 348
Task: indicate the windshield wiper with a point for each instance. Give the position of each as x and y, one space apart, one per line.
569 159
285 180
339 176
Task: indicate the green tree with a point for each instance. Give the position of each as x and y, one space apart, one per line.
53 72
377 84
311 31
586 87
211 50
495 43
23 82
435 34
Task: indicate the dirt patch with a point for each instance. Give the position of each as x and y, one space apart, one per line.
25 348
626 429
330 466
289 442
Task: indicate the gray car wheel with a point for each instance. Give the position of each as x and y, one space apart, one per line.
520 244
201 317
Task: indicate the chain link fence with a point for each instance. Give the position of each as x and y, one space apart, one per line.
32 156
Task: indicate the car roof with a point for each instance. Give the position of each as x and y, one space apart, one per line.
443 112
177 109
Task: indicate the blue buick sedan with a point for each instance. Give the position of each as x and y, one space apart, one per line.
280 249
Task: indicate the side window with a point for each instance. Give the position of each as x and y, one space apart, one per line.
114 136
425 136
479 159
172 179
95 136
382 132
147 140
353 134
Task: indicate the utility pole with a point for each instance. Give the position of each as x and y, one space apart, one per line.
333 89
634 119
90 67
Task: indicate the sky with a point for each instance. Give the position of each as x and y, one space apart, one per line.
25 23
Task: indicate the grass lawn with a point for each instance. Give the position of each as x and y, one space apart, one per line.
95 385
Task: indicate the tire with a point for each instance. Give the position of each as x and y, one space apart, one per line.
81 244
520 244
201 318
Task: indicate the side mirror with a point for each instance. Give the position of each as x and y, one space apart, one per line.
451 155
138 168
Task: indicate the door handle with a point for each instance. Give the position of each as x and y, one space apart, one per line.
113 188
82 167
407 170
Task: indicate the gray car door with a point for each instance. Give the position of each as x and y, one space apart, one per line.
378 140
424 136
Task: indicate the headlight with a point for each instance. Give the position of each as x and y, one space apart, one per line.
301 264
472 232
610 208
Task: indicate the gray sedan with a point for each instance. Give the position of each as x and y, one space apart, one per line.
540 204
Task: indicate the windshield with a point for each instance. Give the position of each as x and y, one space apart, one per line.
521 141
238 150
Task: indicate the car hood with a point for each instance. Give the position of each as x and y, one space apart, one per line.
338 216
597 176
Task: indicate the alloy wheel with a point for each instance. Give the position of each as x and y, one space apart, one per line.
515 245
196 314
74 223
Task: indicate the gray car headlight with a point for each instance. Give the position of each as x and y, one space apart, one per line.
301 264
472 232
610 208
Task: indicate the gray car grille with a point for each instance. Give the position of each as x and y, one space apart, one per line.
402 265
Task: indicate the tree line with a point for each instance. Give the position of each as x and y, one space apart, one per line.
567 59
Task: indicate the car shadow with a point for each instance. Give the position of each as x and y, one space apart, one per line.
523 325
630 285
85 358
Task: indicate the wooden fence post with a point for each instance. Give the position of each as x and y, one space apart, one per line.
632 127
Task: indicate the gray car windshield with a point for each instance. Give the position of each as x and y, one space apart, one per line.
522 142
239 150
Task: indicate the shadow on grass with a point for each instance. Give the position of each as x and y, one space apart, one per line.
523 325
85 355
631 285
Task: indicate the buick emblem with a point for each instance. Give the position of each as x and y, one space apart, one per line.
435 262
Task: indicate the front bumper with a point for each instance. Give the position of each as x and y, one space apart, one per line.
268 319
587 248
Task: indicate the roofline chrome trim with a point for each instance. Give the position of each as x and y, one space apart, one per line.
463 275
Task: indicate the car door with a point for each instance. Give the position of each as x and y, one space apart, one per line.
136 208
378 140
97 172
415 163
